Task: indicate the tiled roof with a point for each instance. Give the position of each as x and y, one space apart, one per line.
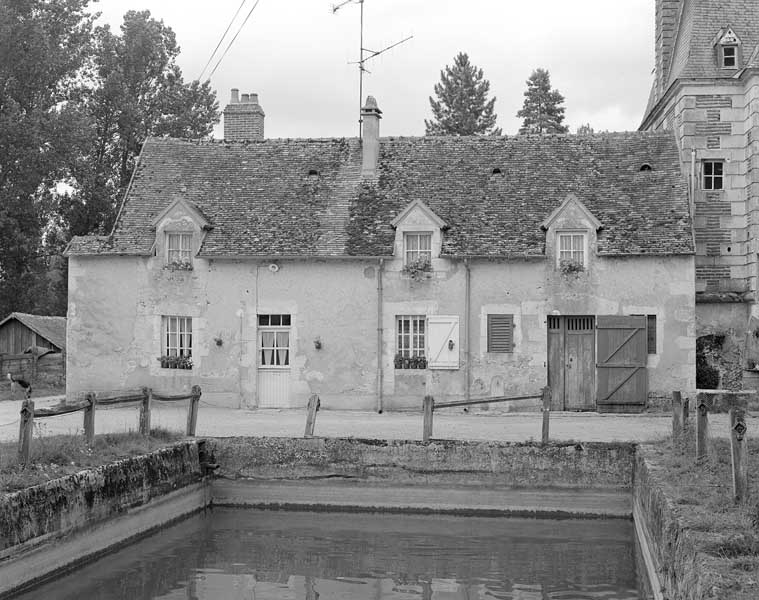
52 329
261 200
694 54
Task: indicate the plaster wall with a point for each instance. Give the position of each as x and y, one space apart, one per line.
116 305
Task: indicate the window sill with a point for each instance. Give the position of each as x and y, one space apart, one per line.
178 268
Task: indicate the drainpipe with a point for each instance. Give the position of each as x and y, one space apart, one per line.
692 183
379 335
467 293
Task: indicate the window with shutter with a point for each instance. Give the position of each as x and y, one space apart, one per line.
500 333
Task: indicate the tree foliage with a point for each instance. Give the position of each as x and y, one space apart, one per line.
462 106
139 92
585 129
43 47
542 111
76 104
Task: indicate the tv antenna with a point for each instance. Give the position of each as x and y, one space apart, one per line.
362 57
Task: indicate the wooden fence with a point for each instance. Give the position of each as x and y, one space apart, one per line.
737 431
429 406
145 397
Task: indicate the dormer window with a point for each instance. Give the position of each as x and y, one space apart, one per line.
572 249
728 49
179 250
417 247
729 57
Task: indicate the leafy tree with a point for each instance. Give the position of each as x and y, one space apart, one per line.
542 111
462 107
43 48
585 129
139 91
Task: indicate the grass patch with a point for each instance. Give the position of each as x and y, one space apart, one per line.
703 494
59 455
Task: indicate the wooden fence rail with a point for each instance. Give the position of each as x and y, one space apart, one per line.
89 404
429 406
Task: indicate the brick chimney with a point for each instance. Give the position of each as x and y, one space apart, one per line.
666 17
243 118
370 116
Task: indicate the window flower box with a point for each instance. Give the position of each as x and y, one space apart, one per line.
418 269
410 362
571 267
175 362
179 265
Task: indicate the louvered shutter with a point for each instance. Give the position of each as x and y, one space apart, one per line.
500 333
443 341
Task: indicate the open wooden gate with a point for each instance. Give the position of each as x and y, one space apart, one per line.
621 368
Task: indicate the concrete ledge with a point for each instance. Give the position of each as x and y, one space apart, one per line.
45 561
465 501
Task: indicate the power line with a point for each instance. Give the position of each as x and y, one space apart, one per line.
233 39
226 31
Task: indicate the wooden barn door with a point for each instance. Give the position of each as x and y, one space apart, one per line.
622 356
571 362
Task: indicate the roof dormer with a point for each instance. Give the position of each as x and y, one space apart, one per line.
571 235
728 46
418 233
180 229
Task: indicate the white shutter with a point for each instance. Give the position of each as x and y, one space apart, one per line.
443 342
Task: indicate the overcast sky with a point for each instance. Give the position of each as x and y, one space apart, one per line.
295 55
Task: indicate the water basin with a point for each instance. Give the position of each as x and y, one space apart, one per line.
244 554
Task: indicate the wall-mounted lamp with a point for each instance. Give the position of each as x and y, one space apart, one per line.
450 344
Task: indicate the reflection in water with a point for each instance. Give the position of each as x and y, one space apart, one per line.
240 554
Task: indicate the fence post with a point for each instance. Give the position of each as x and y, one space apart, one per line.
702 425
26 425
429 407
89 418
147 396
192 411
313 407
677 416
739 447
546 412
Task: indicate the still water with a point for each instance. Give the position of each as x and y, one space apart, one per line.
241 554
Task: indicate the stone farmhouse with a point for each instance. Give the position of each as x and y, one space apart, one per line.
373 272
706 91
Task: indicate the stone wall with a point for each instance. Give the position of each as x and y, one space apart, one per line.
586 465
49 527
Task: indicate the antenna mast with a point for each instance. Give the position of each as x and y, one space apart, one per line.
362 59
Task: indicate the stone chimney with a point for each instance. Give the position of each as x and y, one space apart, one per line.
243 118
666 17
370 116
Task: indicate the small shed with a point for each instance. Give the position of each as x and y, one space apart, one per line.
21 331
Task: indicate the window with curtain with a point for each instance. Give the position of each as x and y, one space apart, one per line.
179 248
418 247
274 340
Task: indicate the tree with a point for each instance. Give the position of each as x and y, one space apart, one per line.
43 48
585 129
139 91
462 107
542 111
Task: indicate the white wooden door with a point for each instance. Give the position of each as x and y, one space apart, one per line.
273 361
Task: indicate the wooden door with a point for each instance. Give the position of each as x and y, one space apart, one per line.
273 387
571 362
622 357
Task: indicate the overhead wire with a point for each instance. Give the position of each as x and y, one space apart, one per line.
221 39
233 39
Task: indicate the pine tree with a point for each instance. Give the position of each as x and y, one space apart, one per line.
542 111
462 107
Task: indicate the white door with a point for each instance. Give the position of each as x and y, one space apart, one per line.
273 361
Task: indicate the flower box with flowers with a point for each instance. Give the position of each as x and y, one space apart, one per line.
175 362
418 269
179 265
410 362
